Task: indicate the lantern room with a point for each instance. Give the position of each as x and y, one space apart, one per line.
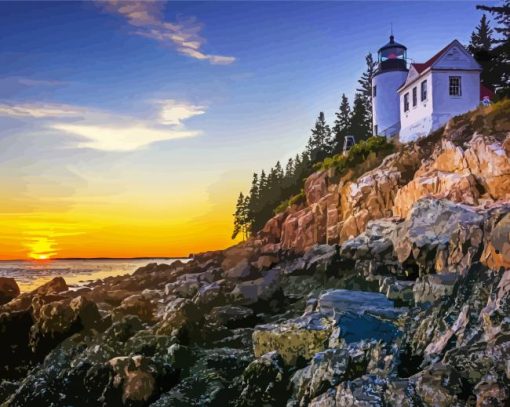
392 56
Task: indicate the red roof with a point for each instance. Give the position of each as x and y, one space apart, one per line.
486 92
421 67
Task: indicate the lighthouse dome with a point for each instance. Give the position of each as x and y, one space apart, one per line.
392 56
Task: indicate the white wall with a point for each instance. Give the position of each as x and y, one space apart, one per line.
444 104
440 106
417 121
386 110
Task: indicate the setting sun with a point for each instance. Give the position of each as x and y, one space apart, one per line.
41 248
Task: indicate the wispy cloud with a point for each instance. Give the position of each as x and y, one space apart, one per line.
148 18
120 138
107 131
39 110
174 112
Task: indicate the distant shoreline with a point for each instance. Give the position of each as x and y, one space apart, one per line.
99 258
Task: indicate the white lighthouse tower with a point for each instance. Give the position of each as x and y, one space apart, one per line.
391 73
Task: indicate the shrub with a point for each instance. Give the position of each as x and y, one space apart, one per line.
293 200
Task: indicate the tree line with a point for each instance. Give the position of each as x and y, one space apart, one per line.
489 46
268 189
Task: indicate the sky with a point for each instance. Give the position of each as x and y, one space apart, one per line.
128 129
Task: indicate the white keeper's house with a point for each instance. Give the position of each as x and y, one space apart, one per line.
412 102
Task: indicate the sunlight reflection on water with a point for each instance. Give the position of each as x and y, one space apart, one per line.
32 274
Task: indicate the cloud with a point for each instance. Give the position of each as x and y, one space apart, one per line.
39 110
120 138
108 131
174 112
148 18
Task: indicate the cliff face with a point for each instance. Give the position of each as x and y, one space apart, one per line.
459 164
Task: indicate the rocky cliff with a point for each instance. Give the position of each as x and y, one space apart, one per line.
386 288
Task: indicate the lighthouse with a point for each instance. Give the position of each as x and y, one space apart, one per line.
390 74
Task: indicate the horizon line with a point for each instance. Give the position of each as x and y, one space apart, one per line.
103 258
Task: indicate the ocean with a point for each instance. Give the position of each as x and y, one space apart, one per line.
77 272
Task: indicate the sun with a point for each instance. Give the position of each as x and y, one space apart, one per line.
41 248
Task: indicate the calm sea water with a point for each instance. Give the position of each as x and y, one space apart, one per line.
32 274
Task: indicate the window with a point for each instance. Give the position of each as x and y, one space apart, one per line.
415 96
374 92
406 102
424 90
455 86
375 130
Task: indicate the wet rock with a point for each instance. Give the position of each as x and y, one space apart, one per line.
295 340
432 287
16 355
8 289
439 386
241 271
327 369
54 286
141 379
261 289
233 316
264 382
399 291
367 391
87 312
211 295
491 392
433 230
137 304
181 319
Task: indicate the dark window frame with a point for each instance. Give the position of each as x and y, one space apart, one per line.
455 86
423 90
415 96
374 91
406 102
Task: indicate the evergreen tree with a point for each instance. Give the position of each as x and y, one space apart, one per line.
240 217
289 168
342 125
365 82
319 143
501 50
481 48
361 122
278 172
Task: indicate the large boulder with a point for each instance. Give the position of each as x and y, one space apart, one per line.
440 235
8 289
295 340
264 382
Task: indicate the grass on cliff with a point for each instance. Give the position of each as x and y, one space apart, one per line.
363 156
361 152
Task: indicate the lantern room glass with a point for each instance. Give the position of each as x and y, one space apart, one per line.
392 53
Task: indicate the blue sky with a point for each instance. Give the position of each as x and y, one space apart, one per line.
145 106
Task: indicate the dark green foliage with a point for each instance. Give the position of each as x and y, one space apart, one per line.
342 125
319 143
361 119
293 200
357 154
481 47
241 217
365 89
500 53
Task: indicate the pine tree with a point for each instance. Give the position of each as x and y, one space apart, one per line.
361 123
365 83
481 48
253 200
342 125
239 216
319 143
289 168
501 50
278 172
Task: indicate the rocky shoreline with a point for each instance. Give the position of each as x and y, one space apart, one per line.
391 288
